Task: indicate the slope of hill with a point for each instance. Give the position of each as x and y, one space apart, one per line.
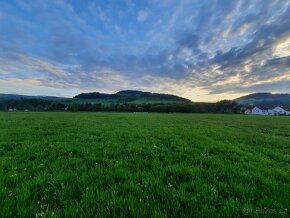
24 97
265 100
84 100
131 96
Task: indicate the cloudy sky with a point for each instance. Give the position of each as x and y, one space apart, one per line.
202 50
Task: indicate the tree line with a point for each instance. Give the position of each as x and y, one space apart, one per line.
224 106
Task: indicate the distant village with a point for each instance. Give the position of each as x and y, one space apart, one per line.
277 111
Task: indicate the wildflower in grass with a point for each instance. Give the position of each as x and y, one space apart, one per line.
10 193
283 211
40 214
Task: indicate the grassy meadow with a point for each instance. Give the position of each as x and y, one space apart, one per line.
143 165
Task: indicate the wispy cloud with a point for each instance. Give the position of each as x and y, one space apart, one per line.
142 15
203 50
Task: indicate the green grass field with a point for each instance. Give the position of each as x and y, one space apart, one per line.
143 165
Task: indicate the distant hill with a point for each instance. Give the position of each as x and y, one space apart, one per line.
265 100
24 97
132 96
40 103
125 101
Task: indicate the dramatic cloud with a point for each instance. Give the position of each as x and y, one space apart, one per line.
203 50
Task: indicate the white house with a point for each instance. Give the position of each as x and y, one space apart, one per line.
258 111
279 111
248 111
276 111
271 112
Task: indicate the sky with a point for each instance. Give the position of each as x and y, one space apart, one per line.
205 50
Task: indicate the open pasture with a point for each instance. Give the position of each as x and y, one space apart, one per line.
129 165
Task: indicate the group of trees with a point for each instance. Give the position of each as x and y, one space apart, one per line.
45 105
32 105
25 104
219 107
